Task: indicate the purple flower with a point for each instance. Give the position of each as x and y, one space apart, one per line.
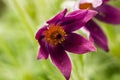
57 36
107 14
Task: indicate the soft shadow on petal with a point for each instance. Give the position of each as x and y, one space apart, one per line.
108 14
39 34
58 17
77 44
97 35
43 50
77 19
61 60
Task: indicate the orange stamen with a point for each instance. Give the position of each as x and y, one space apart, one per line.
54 35
85 6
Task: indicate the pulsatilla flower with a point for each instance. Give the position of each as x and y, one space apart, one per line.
106 13
57 36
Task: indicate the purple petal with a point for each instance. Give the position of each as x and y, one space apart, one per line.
58 17
77 44
89 15
76 12
73 20
76 19
97 35
108 14
61 60
39 32
43 50
105 1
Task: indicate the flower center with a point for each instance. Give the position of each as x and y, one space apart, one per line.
54 35
85 6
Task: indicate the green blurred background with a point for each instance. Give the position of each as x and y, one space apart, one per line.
19 21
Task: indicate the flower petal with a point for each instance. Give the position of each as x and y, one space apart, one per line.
105 0
97 35
58 17
43 50
76 19
77 44
61 60
108 14
73 17
39 32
